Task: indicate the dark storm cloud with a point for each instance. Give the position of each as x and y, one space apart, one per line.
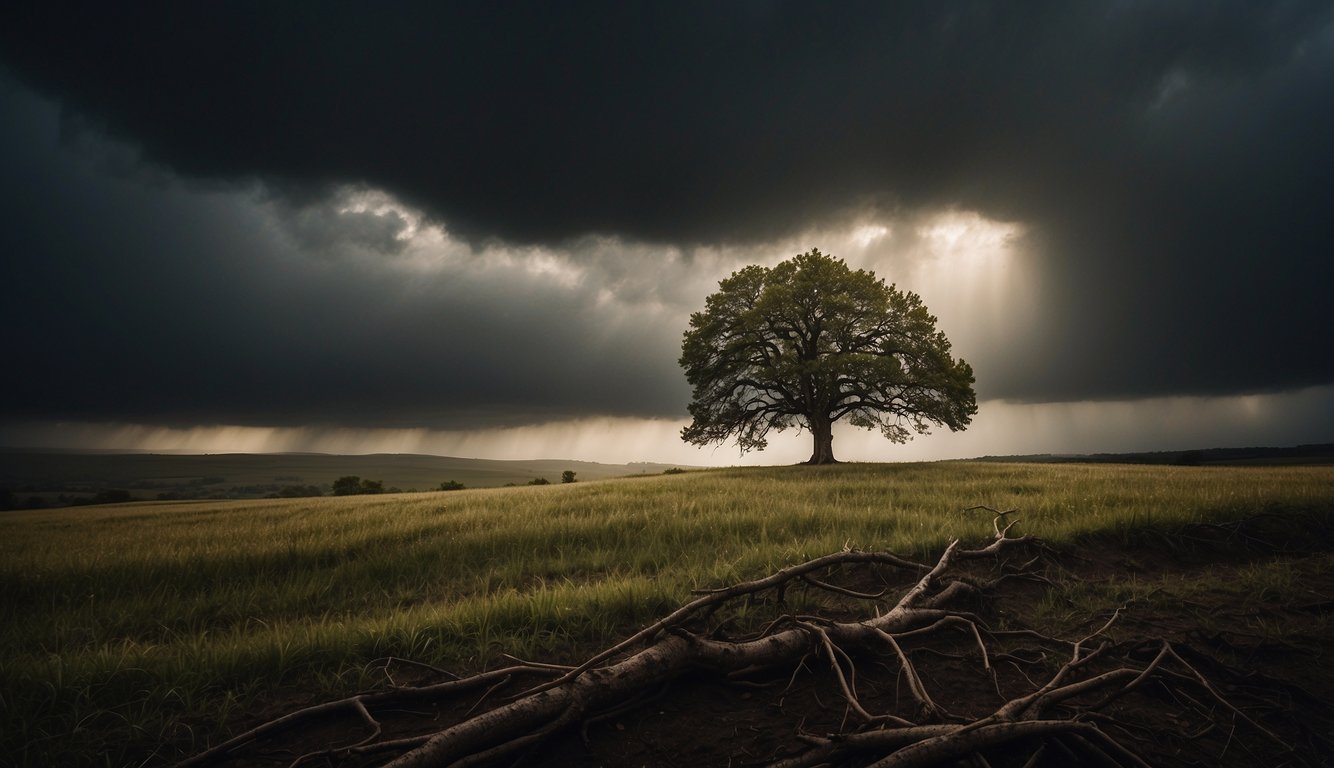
1170 163
162 303
674 122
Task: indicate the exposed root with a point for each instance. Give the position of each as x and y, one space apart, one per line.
1054 713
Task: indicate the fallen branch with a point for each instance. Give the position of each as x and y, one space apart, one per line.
1058 717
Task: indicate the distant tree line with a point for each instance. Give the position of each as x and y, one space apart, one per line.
295 492
565 477
352 485
9 500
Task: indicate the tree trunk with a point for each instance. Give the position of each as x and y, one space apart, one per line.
822 430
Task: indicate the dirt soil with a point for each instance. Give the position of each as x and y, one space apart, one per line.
1268 650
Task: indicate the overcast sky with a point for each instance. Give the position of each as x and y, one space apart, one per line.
480 228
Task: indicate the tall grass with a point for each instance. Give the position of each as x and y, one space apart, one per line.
128 633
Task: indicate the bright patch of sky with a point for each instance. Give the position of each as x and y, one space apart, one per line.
1000 428
971 272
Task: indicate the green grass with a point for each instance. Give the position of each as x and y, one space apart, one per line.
134 628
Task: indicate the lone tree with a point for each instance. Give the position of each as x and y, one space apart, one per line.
810 342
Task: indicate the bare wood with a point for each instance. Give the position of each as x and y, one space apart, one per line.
1046 718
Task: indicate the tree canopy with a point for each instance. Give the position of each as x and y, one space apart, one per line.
811 341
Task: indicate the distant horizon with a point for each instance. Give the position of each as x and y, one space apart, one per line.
1314 447
1301 417
224 452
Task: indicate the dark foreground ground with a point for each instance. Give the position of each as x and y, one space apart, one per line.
1248 606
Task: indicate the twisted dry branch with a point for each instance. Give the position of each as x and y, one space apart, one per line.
1060 716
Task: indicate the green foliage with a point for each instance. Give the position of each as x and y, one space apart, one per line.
567 476
539 481
810 342
674 471
452 485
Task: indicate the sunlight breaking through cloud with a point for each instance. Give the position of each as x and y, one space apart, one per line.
969 269
1000 428
381 203
622 299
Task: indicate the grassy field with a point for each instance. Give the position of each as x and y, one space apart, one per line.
49 476
131 632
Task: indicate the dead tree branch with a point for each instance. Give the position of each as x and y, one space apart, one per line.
1072 714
